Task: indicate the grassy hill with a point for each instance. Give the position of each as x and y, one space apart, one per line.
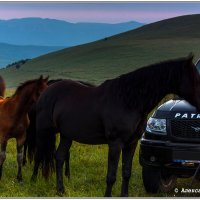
179 27
112 56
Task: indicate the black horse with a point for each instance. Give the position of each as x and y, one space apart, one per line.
113 113
29 145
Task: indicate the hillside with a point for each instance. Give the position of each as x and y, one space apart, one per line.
179 27
11 53
51 32
110 57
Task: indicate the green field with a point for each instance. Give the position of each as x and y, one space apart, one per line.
96 62
88 175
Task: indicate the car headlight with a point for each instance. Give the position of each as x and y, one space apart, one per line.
157 126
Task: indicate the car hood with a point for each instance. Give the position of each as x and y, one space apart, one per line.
177 106
176 109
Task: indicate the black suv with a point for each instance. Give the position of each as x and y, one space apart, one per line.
170 146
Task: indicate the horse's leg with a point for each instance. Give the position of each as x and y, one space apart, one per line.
113 160
61 153
67 159
36 167
127 158
2 156
20 144
24 156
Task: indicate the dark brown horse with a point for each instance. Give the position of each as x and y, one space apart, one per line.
14 119
29 144
113 113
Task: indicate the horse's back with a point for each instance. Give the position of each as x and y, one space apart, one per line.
65 91
73 108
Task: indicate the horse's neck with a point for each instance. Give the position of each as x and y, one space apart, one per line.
22 103
147 94
158 91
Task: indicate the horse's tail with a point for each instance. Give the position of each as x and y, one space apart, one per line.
45 146
31 134
2 86
31 143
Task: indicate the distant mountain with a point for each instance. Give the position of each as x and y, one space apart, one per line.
51 32
12 53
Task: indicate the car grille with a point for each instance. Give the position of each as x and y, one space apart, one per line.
186 129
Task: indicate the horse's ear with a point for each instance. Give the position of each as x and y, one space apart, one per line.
190 57
188 61
41 77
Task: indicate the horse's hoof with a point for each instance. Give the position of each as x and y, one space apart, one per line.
60 194
107 195
124 195
60 191
19 179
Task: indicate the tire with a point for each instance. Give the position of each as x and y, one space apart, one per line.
156 180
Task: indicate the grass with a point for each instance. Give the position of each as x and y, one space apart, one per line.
88 172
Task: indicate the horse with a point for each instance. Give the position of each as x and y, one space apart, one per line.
112 113
2 86
14 119
29 144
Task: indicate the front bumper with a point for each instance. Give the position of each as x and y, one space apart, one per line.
179 158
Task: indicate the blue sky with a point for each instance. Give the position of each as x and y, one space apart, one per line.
98 11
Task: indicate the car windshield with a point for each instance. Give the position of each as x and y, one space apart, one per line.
198 65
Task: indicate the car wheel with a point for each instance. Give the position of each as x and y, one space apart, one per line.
156 180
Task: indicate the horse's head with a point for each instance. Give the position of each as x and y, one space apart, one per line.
190 82
27 94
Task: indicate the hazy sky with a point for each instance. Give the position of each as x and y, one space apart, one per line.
98 11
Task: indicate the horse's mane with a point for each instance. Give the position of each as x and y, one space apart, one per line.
23 85
167 68
140 83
